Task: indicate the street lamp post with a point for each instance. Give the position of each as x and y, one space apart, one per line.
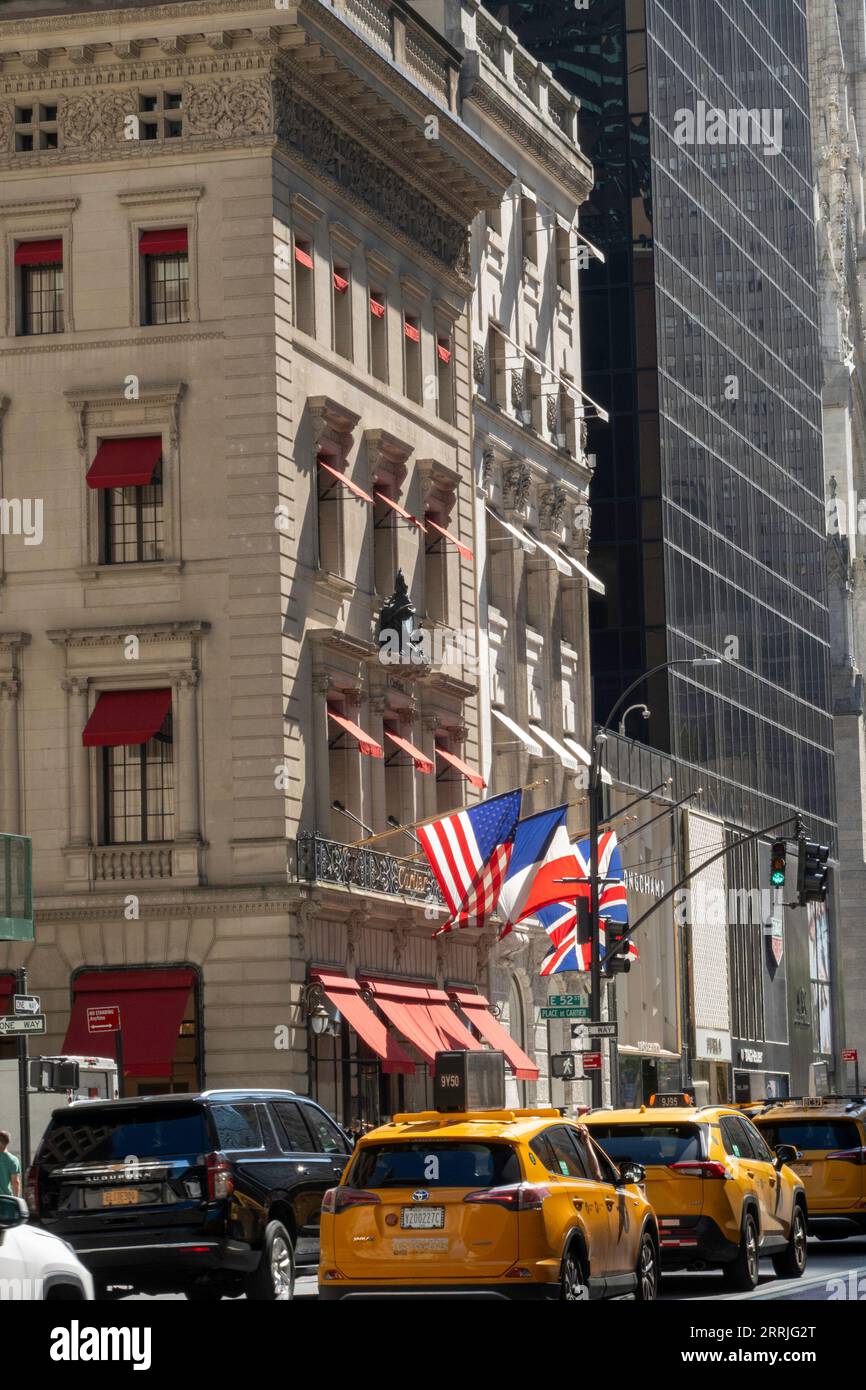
595 808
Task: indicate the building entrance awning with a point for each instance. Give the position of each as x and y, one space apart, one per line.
152 1006
345 994
477 1010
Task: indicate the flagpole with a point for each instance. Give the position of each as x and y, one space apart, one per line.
440 815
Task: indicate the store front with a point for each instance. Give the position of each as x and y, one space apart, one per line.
642 1075
160 1025
373 1042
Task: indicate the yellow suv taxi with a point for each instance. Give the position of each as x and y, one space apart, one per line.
722 1199
513 1204
830 1134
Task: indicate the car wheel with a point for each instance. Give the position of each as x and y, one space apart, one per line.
647 1270
791 1263
572 1284
742 1274
274 1280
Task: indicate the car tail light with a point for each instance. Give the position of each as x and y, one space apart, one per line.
337 1199
857 1156
517 1196
219 1177
31 1189
699 1168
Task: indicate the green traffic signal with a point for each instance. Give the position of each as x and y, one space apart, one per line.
778 862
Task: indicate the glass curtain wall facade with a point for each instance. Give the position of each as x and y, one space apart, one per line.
699 333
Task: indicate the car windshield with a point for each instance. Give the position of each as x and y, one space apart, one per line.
99 1135
434 1164
650 1144
811 1134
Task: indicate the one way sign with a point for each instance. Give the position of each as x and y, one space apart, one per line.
568 1066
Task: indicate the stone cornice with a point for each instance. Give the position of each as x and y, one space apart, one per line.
41 207
12 641
63 343
183 903
186 194
168 392
131 13
110 636
575 174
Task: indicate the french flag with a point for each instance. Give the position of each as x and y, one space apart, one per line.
542 852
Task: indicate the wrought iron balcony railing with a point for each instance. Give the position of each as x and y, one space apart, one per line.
327 861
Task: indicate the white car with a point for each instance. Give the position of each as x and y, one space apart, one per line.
35 1265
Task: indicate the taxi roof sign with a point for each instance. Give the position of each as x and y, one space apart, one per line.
670 1100
469 1081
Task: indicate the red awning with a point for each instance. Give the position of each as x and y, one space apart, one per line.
413 333
443 352
404 1006
464 549
152 1006
376 308
165 242
474 778
341 477
401 511
455 1034
125 462
366 744
39 252
345 995
126 717
340 285
303 258
477 1010
421 761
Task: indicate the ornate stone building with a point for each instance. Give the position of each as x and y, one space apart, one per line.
531 473
237 344
837 43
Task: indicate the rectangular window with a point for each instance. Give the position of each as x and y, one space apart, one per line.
496 368
305 296
445 379
341 300
529 229
532 410
138 784
567 422
493 219
412 358
165 271
39 269
133 524
563 258
378 336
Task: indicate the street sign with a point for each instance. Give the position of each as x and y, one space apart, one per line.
11 1025
580 1031
565 1001
849 1055
26 1004
591 1061
567 1066
574 1011
105 1018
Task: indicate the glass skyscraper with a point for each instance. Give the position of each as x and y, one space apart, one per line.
699 333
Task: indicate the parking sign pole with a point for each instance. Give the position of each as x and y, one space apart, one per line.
118 1054
23 1097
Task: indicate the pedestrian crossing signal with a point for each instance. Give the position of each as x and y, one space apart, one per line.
778 863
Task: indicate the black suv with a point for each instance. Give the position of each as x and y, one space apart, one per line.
205 1195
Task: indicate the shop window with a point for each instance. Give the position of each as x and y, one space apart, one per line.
412 358
39 277
445 378
305 298
378 335
341 299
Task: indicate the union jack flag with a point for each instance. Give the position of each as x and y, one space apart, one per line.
560 920
469 853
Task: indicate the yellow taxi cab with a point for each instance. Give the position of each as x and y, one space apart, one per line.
513 1204
721 1197
830 1134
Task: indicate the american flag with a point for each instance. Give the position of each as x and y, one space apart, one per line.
560 919
469 853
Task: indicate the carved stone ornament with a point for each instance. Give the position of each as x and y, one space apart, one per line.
5 127
552 509
552 413
479 362
518 387
228 108
516 483
96 120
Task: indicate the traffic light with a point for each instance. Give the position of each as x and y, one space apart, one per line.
614 964
812 872
778 863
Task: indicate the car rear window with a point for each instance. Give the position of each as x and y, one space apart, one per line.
650 1144
435 1164
98 1135
811 1134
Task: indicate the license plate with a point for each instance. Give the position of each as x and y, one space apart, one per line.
804 1169
422 1218
120 1197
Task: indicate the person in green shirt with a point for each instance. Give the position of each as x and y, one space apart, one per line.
10 1168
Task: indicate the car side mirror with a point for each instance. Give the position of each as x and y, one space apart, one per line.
630 1172
13 1212
786 1153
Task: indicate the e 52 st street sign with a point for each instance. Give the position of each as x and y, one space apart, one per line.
11 1025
